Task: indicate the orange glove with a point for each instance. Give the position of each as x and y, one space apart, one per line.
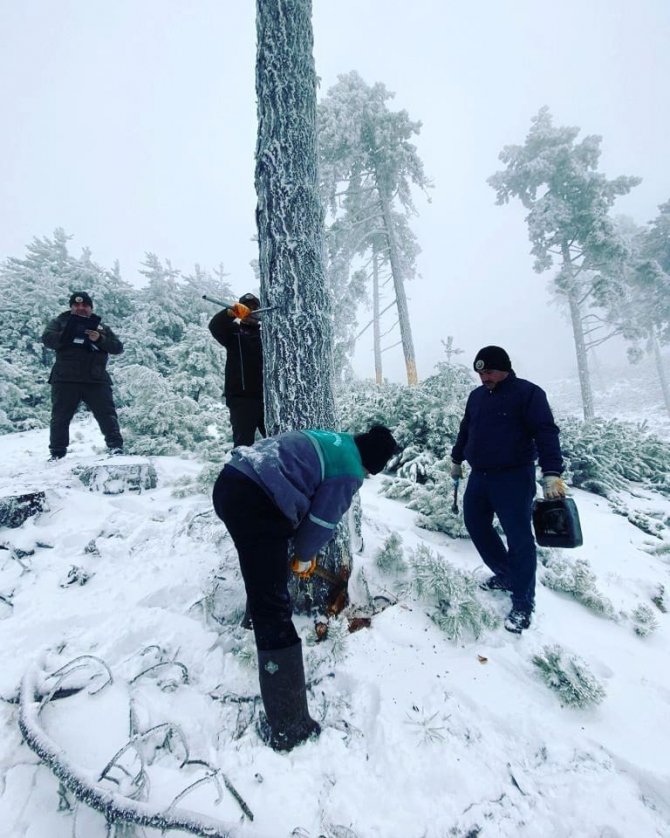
239 310
303 570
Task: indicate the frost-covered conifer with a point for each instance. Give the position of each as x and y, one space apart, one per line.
390 557
457 609
569 676
578 579
568 203
644 620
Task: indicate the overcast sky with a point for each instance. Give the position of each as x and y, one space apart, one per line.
132 125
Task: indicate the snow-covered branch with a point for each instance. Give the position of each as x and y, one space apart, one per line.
84 785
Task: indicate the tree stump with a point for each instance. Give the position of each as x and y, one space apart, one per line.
117 478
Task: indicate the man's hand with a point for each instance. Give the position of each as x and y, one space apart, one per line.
553 486
239 310
456 471
92 334
303 569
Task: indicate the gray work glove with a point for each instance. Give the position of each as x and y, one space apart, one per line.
456 471
553 486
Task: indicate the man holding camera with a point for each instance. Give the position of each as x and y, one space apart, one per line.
82 345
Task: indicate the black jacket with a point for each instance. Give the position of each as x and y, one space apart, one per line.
244 355
508 426
78 358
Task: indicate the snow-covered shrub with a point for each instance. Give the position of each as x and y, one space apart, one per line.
659 599
644 620
432 500
457 609
390 558
603 454
426 416
157 420
569 676
577 578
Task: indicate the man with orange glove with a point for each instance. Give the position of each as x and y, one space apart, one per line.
293 486
239 330
507 424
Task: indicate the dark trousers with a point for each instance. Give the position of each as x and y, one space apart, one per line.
509 494
246 415
65 399
261 536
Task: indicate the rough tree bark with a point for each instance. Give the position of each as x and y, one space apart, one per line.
399 287
376 337
297 333
578 335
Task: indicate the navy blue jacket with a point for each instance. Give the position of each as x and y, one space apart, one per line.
509 426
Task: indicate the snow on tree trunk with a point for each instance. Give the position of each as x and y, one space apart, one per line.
580 343
297 334
661 371
375 317
399 286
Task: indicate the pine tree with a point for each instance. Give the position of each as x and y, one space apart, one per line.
568 203
297 333
368 166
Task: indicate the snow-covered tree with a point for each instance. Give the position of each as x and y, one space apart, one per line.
568 203
297 333
368 167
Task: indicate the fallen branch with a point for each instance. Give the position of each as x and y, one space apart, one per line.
83 785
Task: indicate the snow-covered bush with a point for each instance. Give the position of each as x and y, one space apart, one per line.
157 420
603 454
390 558
577 578
457 609
426 416
432 500
644 620
569 676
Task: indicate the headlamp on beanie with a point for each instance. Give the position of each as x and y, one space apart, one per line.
81 297
376 447
492 358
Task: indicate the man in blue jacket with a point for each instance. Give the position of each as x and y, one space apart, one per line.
507 425
295 485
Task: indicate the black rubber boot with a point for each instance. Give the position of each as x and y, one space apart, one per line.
282 679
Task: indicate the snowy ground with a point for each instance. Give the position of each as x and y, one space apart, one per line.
422 737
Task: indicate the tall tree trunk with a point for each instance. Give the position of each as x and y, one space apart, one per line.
297 333
399 285
660 369
376 339
578 334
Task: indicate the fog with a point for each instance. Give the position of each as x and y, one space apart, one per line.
132 125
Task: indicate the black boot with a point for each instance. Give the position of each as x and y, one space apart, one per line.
282 680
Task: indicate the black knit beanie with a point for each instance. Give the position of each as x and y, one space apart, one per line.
376 448
492 358
81 297
250 300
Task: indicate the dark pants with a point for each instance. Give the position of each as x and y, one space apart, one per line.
246 414
65 399
261 536
509 494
